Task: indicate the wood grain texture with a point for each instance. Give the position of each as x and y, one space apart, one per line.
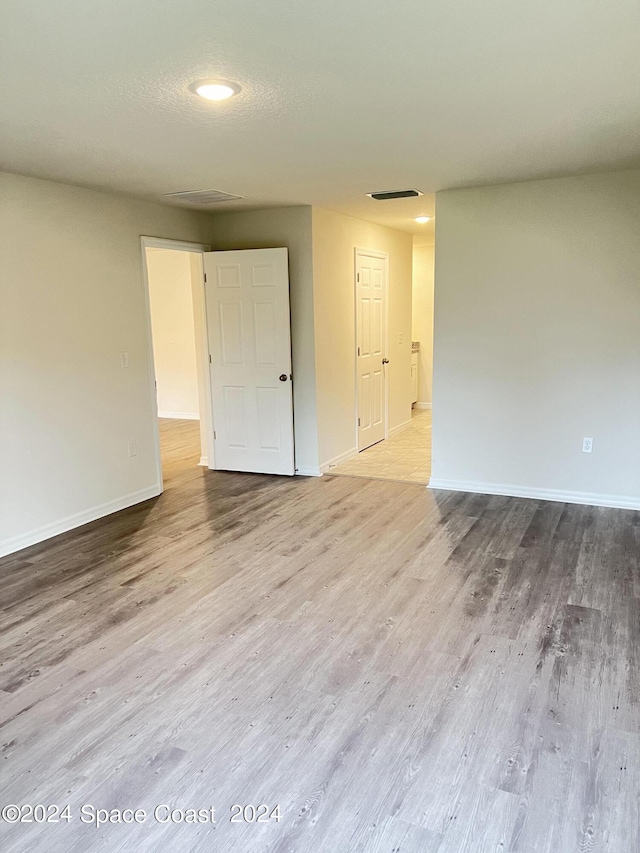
399 670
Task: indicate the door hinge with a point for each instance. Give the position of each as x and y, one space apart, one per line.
358 276
358 350
209 358
214 434
358 421
205 277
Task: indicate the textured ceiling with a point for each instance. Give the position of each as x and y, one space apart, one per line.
339 98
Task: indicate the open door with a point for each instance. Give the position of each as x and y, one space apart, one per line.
248 321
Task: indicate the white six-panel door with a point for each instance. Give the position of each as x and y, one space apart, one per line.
247 302
370 342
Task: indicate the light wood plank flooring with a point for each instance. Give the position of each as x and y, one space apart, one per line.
405 456
397 669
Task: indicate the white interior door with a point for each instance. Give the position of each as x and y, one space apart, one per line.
371 343
247 301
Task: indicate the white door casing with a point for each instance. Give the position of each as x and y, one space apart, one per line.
248 321
196 251
371 271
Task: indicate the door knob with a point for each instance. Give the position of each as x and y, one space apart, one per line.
283 377
385 361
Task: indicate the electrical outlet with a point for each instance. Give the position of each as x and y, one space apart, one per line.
400 338
587 445
124 359
133 448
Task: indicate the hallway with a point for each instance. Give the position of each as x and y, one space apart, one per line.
405 456
179 446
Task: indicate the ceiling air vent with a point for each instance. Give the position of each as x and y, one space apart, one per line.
383 196
202 197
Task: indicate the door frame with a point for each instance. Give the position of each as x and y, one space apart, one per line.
202 344
384 256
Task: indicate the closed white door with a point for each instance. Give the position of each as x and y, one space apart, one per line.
247 300
370 342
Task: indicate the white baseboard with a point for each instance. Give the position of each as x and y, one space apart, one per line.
306 471
182 416
204 461
398 428
337 460
587 498
62 525
420 405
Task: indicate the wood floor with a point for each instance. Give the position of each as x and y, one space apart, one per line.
396 669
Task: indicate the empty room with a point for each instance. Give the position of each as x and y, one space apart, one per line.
319 417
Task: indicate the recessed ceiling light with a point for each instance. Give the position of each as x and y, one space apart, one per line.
214 90
422 219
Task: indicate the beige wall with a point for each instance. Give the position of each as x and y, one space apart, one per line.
71 300
270 229
335 238
172 326
537 338
422 318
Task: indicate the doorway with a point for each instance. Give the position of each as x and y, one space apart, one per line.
402 453
219 344
178 353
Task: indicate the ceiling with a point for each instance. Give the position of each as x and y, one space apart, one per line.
338 98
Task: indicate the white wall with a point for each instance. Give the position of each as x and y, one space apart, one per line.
71 300
335 238
537 339
173 329
270 229
422 319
